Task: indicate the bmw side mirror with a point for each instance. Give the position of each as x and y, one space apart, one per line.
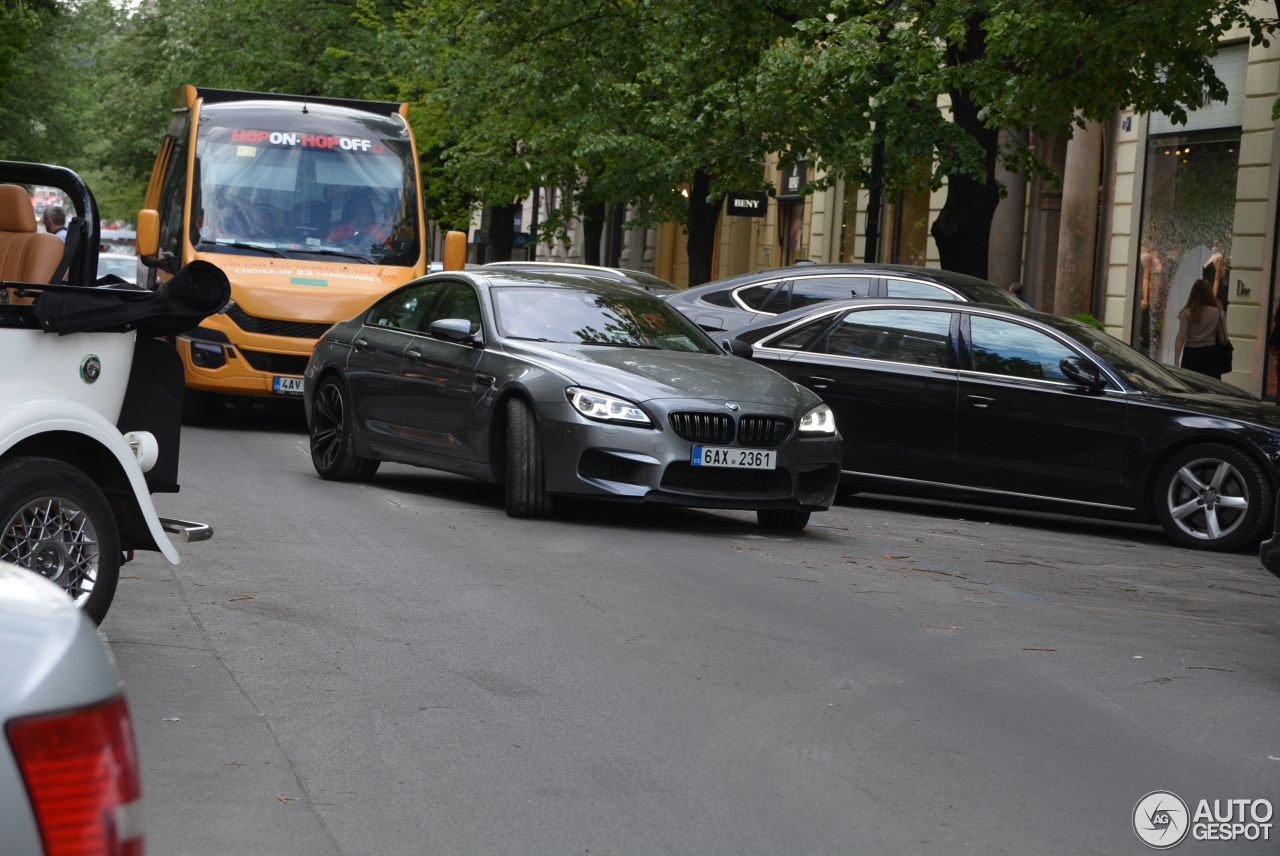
453 330
1081 371
737 348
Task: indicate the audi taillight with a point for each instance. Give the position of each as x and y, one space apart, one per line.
81 771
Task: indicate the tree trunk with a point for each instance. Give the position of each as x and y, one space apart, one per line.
592 231
703 216
502 231
963 228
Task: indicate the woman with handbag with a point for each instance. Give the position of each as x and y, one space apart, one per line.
1202 344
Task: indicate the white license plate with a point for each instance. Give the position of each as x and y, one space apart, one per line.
746 459
287 385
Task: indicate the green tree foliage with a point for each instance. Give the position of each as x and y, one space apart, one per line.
42 71
609 101
289 46
625 101
880 71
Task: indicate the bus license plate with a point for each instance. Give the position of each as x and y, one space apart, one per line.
747 459
287 385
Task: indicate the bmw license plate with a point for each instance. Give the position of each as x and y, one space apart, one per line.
287 385
746 459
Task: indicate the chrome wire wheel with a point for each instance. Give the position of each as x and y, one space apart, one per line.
55 537
1208 498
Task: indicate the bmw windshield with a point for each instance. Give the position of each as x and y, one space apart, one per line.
310 186
619 316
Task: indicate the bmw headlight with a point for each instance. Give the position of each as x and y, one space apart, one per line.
605 408
819 420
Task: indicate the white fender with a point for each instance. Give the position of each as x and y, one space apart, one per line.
26 410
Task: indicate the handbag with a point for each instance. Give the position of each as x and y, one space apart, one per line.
1221 351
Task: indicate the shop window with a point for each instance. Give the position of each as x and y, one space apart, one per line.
1188 216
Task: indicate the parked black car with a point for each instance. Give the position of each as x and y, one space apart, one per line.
566 386
751 299
1018 408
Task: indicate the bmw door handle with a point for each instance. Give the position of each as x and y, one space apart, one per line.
980 400
360 344
413 354
820 382
485 380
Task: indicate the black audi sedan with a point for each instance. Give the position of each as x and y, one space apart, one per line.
751 299
1018 408
565 385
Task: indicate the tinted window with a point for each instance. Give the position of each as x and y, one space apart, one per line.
1004 348
910 288
458 301
405 309
917 336
757 297
814 289
801 337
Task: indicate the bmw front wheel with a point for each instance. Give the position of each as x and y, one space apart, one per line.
526 484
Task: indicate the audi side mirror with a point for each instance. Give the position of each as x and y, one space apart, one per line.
1081 371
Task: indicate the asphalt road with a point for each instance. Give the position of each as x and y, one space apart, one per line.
400 668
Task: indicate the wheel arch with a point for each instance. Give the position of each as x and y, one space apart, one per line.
102 466
1233 441
498 429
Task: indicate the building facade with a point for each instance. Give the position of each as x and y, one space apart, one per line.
1145 207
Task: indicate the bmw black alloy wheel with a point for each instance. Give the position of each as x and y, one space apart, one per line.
332 445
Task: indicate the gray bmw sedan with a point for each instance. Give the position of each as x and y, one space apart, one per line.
565 385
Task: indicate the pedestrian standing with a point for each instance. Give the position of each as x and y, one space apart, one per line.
1198 327
1016 290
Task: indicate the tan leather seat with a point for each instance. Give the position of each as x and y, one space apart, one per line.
25 254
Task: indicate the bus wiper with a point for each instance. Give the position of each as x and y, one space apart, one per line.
240 245
346 255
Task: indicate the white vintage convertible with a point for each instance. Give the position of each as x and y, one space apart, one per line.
90 397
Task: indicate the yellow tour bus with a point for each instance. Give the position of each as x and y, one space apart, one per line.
312 207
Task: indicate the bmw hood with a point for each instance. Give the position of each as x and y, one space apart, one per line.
643 374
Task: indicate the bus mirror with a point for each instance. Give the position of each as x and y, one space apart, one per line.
455 251
148 232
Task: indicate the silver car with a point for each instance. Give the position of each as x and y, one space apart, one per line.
559 385
69 775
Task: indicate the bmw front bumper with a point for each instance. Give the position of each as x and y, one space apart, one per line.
654 464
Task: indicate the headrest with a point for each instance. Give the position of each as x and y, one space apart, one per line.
16 213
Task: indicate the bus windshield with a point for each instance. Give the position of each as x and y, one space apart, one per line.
347 194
